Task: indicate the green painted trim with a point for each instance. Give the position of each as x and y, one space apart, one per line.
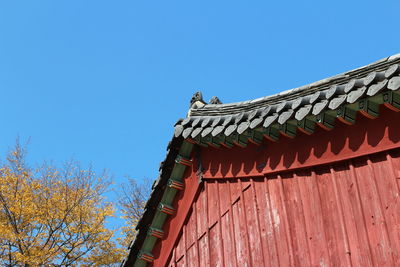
391 99
306 125
367 106
167 199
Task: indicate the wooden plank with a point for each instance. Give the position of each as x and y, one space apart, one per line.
330 214
204 256
228 240
241 243
393 158
212 203
394 206
296 222
190 229
201 213
224 196
180 247
252 226
389 201
338 199
285 220
374 221
235 190
267 229
353 216
181 262
283 244
216 246
308 191
192 258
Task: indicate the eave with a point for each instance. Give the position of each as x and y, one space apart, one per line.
320 104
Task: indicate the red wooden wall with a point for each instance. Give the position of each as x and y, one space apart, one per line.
329 199
343 214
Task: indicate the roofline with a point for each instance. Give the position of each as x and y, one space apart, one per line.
366 88
230 108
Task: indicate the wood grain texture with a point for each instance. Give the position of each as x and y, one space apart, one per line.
342 214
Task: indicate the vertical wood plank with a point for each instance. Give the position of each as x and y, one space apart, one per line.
267 227
212 203
338 199
283 246
224 196
383 189
241 243
204 256
181 262
353 216
393 204
295 217
377 232
181 247
252 226
285 220
330 215
191 233
393 157
308 190
192 258
216 253
235 190
228 241
201 211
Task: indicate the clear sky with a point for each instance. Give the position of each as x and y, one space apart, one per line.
104 81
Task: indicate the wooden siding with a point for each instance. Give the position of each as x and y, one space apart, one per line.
343 214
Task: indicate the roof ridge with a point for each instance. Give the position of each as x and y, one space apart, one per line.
290 94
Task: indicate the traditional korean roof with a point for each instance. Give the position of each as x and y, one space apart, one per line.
340 96
215 124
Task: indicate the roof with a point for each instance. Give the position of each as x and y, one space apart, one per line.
235 124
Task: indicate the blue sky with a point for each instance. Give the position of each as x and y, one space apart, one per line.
104 81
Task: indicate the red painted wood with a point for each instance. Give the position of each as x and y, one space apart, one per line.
192 257
180 249
386 191
183 202
190 230
344 213
240 235
212 203
253 228
267 228
313 222
375 224
330 217
224 196
278 218
296 220
227 239
323 147
201 208
204 255
216 246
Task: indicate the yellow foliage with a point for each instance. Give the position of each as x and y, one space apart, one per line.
50 216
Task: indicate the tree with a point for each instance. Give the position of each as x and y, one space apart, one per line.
54 216
132 202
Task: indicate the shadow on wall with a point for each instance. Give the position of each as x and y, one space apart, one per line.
364 137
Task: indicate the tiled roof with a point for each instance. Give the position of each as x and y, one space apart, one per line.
292 106
215 124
